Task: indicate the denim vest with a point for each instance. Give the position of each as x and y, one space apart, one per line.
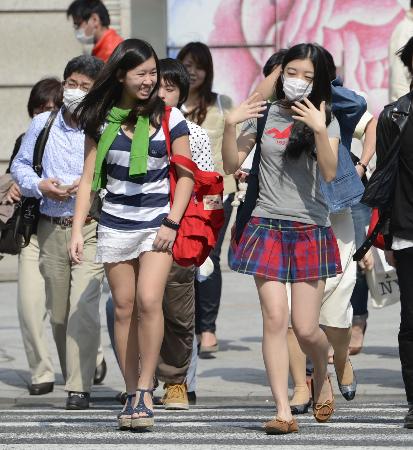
346 189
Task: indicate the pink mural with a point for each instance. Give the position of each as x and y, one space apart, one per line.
356 32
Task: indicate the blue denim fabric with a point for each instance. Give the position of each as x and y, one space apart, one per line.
346 189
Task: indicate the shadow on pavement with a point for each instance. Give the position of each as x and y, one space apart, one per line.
381 377
384 352
238 375
226 345
257 339
15 377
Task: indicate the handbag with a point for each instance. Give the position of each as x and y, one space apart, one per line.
7 219
26 215
204 215
379 241
382 281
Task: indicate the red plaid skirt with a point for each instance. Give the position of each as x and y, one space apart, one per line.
286 251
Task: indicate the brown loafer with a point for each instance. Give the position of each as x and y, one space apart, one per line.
323 411
280 426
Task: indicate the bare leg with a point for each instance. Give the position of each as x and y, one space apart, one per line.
301 394
154 268
305 312
339 338
274 307
122 281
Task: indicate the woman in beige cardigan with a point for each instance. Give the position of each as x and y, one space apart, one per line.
208 109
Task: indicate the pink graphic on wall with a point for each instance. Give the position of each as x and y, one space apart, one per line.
356 32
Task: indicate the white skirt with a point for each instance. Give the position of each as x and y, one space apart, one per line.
116 246
336 310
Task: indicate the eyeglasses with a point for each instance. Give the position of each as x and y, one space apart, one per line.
72 84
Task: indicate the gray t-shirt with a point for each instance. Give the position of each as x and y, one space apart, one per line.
289 188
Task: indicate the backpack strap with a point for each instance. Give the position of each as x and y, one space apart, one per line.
261 121
41 144
246 208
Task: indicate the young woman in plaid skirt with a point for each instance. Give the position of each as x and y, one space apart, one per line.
289 237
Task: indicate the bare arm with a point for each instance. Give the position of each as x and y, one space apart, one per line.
368 130
234 152
266 87
84 200
327 154
369 146
327 148
185 183
166 236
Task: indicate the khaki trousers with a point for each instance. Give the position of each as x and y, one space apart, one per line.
179 316
72 297
32 313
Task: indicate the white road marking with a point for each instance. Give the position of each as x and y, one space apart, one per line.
94 424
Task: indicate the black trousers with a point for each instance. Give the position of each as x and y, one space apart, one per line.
404 268
359 297
208 293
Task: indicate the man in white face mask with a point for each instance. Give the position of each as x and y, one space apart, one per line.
72 292
91 22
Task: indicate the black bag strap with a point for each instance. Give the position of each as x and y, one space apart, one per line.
41 144
369 242
261 121
245 209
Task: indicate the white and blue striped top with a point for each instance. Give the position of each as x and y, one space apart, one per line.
139 203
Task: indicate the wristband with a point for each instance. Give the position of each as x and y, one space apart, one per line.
170 224
359 163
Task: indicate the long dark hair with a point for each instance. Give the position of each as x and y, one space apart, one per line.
201 54
107 89
302 137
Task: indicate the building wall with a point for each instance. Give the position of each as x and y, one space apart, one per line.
242 34
37 41
149 22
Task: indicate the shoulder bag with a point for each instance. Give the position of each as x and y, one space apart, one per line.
17 232
204 215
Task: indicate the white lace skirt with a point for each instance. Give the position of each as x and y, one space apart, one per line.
116 246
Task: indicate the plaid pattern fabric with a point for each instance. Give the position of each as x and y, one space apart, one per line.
286 251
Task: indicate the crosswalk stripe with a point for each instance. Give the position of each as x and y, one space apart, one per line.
203 427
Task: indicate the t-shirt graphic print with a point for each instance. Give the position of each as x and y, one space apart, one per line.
281 136
289 188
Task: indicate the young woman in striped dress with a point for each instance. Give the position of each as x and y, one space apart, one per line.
126 154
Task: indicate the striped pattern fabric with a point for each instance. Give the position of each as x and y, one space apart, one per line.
286 251
139 203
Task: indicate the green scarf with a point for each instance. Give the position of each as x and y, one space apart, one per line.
139 150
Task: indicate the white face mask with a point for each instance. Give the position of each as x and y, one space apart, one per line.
72 98
83 38
296 88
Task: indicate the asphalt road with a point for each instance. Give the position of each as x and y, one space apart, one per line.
234 396
365 423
